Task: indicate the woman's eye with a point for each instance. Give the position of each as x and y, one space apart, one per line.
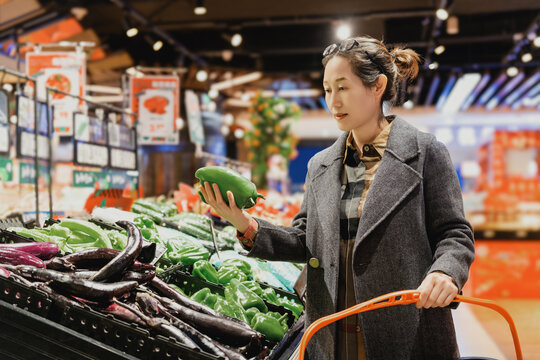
327 91
341 88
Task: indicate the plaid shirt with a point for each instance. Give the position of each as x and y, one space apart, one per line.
358 173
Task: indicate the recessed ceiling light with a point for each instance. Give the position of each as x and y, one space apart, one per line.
512 71
236 40
343 31
526 57
441 14
439 49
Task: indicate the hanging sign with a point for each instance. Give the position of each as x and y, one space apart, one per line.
156 101
4 123
193 110
65 71
122 149
6 169
27 173
105 179
26 142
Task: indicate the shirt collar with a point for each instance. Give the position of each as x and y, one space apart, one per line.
376 148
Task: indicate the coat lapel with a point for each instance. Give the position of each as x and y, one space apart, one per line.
394 180
326 186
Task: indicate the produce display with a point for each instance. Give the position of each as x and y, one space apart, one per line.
228 306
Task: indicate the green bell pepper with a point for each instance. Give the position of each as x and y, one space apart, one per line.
204 270
254 286
205 296
227 273
177 288
95 232
293 306
250 313
274 329
239 263
187 254
236 291
148 229
231 309
244 191
270 295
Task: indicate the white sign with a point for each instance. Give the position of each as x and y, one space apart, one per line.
28 145
123 159
90 154
4 138
196 130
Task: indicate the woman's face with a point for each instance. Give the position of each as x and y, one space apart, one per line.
352 104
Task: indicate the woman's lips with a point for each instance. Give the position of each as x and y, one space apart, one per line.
340 116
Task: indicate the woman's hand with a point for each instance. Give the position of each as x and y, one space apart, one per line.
437 290
239 218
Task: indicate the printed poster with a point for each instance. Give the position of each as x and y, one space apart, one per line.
156 101
64 71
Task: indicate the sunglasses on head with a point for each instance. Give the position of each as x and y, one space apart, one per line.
347 45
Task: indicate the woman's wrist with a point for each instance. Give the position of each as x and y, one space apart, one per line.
243 223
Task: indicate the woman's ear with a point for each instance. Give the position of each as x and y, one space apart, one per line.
380 85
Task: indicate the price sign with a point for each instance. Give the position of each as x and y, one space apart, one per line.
193 110
25 113
4 139
121 136
89 129
6 169
90 154
123 159
27 145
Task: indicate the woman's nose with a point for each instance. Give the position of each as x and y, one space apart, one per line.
335 101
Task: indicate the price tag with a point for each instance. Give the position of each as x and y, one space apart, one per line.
28 145
90 154
123 159
4 138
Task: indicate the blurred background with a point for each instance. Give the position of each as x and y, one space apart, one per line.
145 92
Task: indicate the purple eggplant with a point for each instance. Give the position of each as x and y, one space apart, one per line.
17 257
4 272
126 257
142 277
123 314
91 259
72 285
42 250
59 299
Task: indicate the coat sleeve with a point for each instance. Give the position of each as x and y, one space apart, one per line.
450 234
282 243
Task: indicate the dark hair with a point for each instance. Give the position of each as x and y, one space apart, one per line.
370 57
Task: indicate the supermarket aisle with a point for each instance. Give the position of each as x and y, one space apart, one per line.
484 332
472 338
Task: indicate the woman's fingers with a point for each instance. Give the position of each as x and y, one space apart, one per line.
217 193
210 198
437 290
232 203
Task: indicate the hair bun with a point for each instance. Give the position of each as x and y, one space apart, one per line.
407 62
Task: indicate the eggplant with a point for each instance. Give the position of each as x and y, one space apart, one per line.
162 327
126 257
93 259
17 257
59 299
42 250
123 314
227 331
153 306
72 285
4 272
59 263
140 277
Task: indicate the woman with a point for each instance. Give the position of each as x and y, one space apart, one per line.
382 212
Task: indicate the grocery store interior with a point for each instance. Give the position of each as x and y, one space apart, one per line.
109 107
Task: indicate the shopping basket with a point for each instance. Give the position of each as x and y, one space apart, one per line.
404 297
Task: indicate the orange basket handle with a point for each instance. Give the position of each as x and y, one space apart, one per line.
404 297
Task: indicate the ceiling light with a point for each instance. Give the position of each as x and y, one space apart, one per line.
131 32
433 66
157 45
452 25
236 40
442 14
536 41
199 8
526 57
512 71
213 93
343 31
7 87
239 133
201 76
439 49
459 93
227 55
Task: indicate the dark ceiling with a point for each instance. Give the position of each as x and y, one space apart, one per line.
285 38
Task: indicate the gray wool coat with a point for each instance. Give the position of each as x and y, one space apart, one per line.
412 224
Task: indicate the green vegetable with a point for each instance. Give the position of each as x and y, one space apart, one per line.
194 231
250 313
235 291
205 296
244 191
238 263
148 228
175 287
230 308
270 296
272 328
94 231
154 215
254 286
227 273
59 230
204 270
188 255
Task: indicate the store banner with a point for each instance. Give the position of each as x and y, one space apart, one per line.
4 123
105 179
27 173
6 169
156 101
65 71
193 110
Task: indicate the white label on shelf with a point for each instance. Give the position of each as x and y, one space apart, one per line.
92 154
28 145
4 138
123 159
